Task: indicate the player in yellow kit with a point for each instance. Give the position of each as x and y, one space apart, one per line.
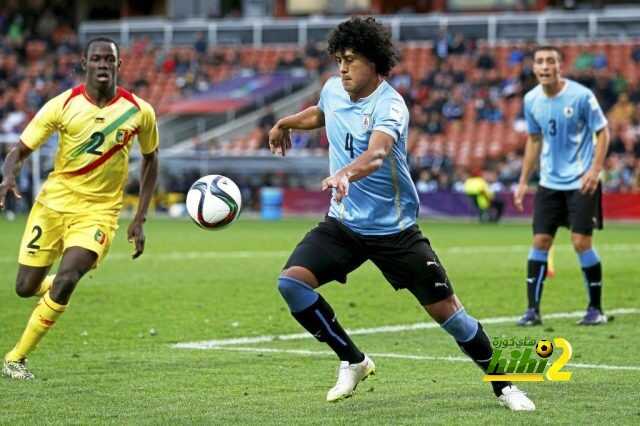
75 215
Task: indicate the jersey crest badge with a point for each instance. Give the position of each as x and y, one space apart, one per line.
366 121
568 112
100 237
122 135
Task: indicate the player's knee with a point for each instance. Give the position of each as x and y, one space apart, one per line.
542 242
298 294
581 243
26 286
301 274
63 285
444 309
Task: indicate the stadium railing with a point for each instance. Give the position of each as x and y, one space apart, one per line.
608 23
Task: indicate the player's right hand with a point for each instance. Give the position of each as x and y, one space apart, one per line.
279 140
339 182
5 187
518 197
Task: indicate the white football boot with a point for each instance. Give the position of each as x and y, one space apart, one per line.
515 400
349 375
16 370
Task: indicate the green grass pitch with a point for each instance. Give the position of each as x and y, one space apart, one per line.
111 360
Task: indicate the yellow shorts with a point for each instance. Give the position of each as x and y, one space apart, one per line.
49 233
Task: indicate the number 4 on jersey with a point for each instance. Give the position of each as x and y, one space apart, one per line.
348 144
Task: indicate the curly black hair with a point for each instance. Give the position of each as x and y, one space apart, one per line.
368 38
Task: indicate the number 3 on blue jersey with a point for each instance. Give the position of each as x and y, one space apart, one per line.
552 127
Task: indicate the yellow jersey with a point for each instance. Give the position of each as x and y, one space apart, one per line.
92 159
478 187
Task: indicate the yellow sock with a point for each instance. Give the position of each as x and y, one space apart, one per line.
551 270
45 285
44 316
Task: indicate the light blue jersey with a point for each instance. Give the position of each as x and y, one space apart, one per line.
568 123
386 201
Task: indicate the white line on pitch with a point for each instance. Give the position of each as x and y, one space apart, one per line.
406 356
211 344
252 254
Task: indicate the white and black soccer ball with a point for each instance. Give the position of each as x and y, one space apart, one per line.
214 202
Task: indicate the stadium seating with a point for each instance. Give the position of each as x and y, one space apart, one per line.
479 137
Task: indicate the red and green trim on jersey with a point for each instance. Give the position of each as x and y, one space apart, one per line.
97 138
120 94
105 156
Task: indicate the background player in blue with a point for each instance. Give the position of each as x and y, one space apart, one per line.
568 132
373 211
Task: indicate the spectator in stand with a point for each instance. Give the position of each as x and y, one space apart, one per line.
289 61
201 45
600 61
419 116
527 78
487 110
617 146
485 59
444 181
620 83
623 110
458 45
434 124
516 56
584 61
509 169
401 79
612 180
635 54
441 44
426 183
453 109
604 92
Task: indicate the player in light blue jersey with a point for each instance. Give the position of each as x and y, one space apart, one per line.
373 211
381 203
568 133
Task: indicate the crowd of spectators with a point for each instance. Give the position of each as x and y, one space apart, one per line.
468 82
40 58
461 93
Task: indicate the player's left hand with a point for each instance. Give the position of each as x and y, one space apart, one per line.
6 186
135 234
340 182
279 140
590 182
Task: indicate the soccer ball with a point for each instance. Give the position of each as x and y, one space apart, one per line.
544 348
214 202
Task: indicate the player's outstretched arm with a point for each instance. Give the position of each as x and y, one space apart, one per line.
148 178
279 135
10 169
531 154
380 145
591 178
